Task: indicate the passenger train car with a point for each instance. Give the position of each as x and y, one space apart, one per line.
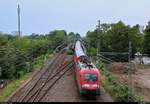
87 75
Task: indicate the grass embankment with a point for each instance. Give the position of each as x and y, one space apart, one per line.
14 84
118 91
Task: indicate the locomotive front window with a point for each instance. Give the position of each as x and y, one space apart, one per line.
90 77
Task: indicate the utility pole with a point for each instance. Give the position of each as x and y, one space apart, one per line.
19 33
0 71
130 84
98 43
31 55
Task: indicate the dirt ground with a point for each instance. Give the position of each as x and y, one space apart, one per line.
140 77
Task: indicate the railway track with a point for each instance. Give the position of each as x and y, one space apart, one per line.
45 79
51 82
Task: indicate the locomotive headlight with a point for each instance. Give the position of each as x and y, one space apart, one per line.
95 85
85 85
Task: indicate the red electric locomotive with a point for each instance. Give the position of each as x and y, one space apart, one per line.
87 75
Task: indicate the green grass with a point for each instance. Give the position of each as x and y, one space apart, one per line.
69 52
13 85
38 62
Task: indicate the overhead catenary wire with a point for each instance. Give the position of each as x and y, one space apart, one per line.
105 58
114 53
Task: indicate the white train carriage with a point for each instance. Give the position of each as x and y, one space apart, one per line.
79 50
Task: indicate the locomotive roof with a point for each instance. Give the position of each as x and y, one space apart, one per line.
86 67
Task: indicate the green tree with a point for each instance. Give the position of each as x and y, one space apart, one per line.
57 37
115 37
147 39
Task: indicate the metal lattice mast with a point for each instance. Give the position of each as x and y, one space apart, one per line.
19 32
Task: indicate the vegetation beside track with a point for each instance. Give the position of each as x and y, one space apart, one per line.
115 38
17 53
19 56
117 90
14 84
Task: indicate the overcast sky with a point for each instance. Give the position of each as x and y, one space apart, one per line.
42 16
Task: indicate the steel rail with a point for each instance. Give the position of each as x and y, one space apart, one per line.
52 62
